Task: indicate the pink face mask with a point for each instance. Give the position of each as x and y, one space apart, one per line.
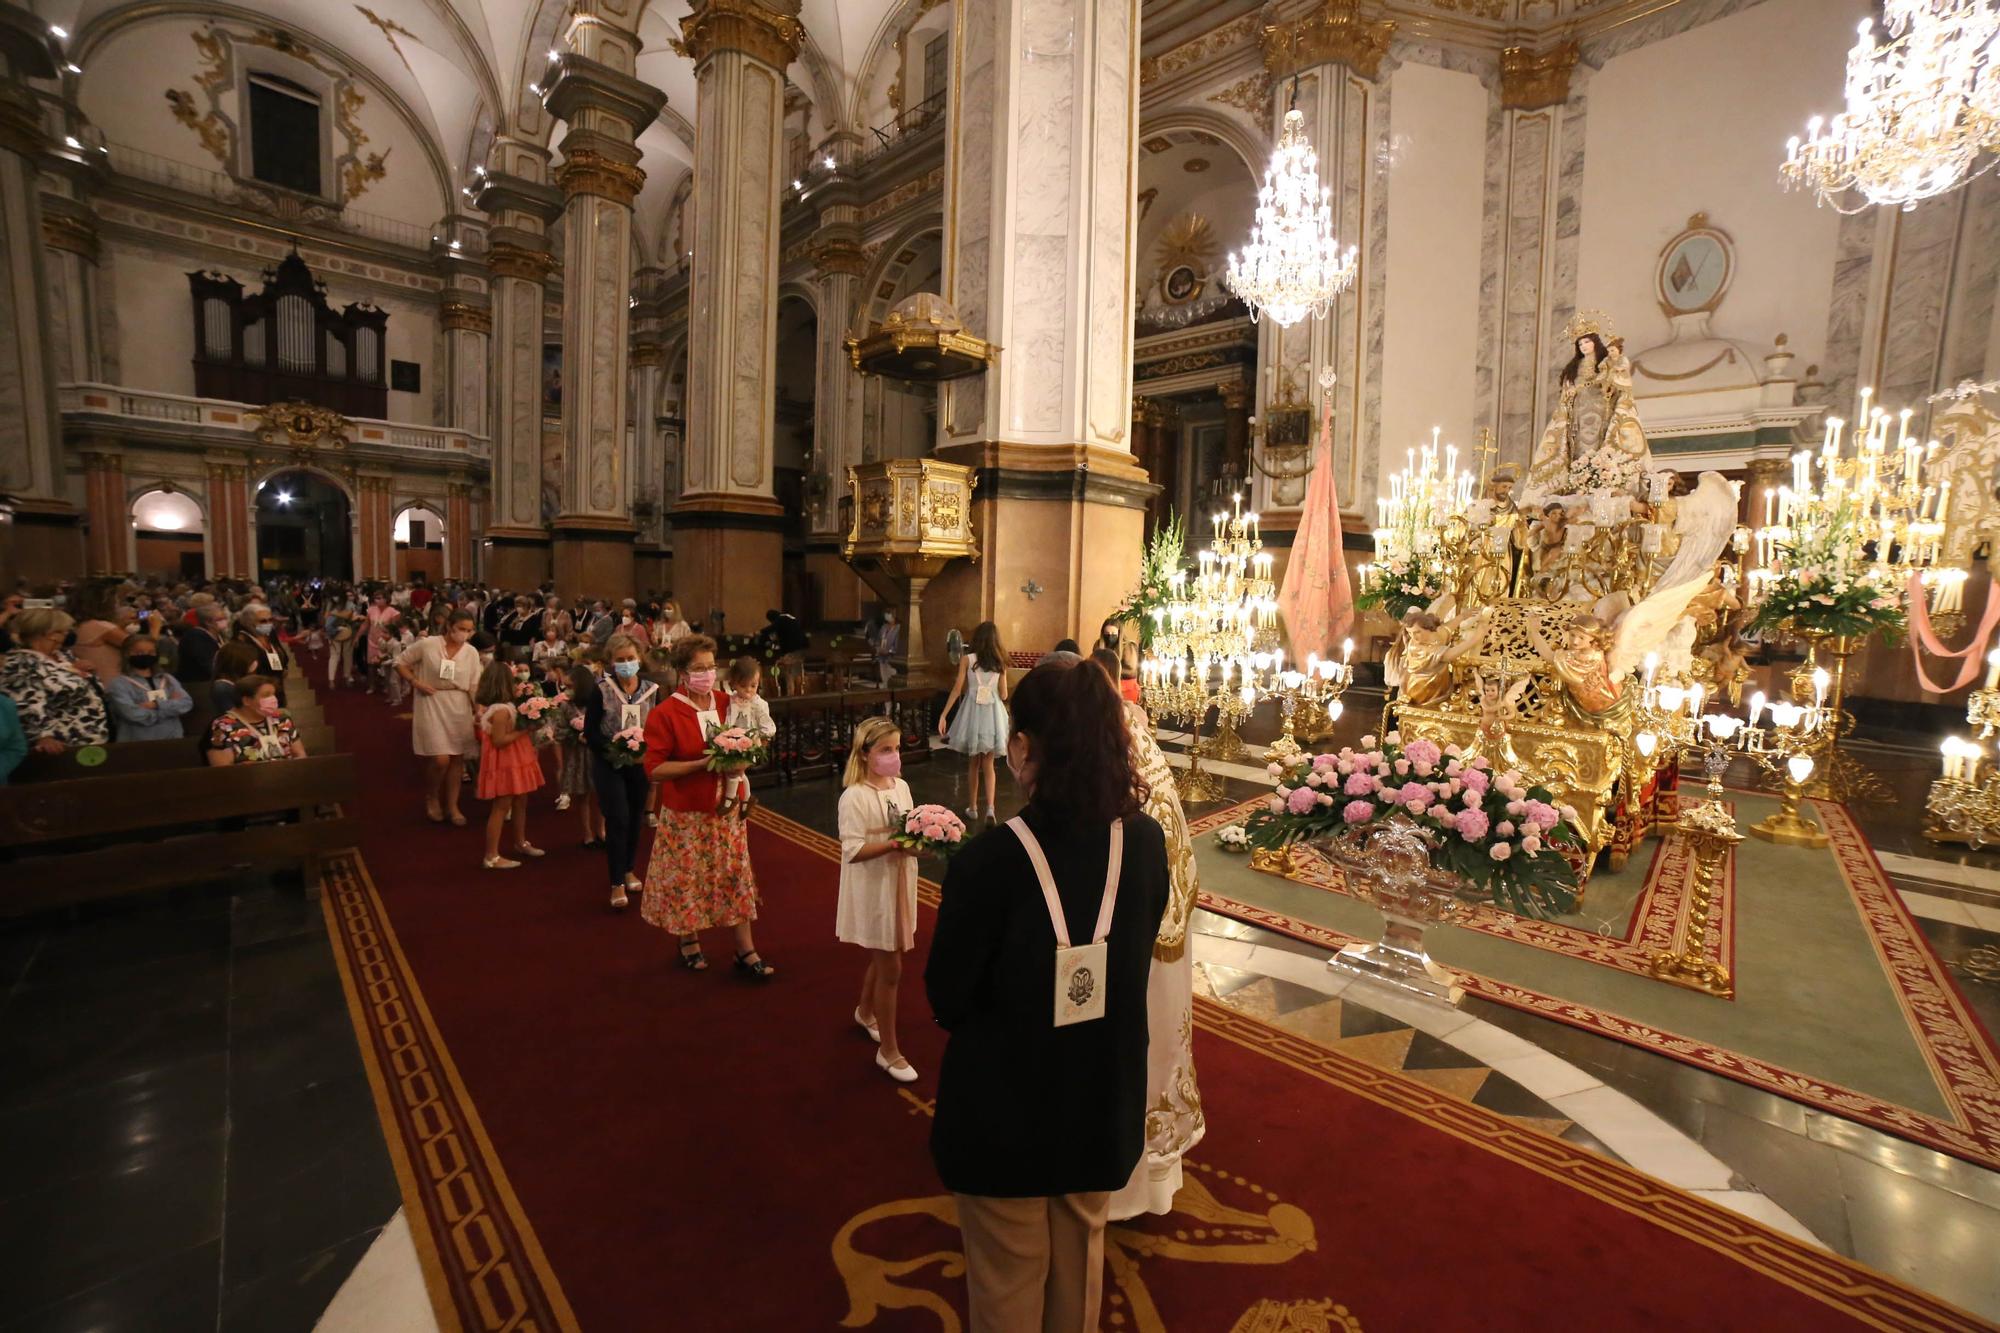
701 682
886 763
268 705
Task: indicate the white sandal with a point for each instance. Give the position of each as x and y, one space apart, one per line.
499 863
902 1070
874 1033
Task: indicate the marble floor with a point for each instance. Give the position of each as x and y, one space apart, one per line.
182 1075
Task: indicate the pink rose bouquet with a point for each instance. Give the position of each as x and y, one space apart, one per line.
732 750
928 829
626 748
1490 828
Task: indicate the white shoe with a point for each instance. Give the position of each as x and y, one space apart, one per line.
562 802
499 863
902 1071
874 1033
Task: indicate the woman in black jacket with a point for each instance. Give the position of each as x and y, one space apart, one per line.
1041 1100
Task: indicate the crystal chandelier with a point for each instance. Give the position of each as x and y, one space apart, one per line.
1293 266
1921 109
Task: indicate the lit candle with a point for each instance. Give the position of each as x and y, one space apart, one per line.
1770 507
1756 707
1347 650
1993 669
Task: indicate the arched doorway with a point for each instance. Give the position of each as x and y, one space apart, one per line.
419 536
168 534
305 527
796 379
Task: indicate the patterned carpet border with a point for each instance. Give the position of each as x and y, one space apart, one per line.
1840 1282
482 1263
1961 1057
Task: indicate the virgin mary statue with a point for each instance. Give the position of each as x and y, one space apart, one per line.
1593 441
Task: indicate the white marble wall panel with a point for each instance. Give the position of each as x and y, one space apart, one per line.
517 398
1927 239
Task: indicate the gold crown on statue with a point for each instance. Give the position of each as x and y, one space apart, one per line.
1588 321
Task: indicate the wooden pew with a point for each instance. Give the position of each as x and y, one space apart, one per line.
83 839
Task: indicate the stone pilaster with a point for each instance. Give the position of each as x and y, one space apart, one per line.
1039 181
458 530
1534 181
465 322
108 543
838 266
593 91
520 204
70 247
728 528
1331 59
47 537
375 526
229 518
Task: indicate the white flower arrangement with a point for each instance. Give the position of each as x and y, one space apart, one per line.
1232 838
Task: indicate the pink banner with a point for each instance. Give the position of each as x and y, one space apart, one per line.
1316 600
1923 639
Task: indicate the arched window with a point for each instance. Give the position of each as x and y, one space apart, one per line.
284 134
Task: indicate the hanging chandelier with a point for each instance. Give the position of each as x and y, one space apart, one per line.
1293 266
1922 107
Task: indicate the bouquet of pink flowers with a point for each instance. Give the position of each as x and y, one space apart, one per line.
1491 829
537 706
930 829
732 750
626 748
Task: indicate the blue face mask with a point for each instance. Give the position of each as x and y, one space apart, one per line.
625 670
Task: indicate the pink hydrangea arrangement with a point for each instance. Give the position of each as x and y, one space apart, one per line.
928 829
1492 828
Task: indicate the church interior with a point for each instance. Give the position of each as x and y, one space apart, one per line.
1528 470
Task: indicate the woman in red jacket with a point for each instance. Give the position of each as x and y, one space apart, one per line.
699 875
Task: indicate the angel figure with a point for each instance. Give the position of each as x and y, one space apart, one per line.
1593 440
1432 639
1497 702
1582 662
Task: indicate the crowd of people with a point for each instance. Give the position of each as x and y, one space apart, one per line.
1042 1125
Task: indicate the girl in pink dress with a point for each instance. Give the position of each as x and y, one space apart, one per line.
509 768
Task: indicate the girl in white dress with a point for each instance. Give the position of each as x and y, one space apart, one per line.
878 884
978 730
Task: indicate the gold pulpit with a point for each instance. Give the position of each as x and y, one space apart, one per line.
910 518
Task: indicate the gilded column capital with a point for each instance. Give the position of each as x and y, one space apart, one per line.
1530 80
742 25
1139 408
1235 395
1333 34
587 171
836 255
508 260
648 354
74 232
462 315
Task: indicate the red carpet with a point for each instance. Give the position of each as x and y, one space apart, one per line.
589 1136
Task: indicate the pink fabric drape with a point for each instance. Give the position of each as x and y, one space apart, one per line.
1315 599
1923 639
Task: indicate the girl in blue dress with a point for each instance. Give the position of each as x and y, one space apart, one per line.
978 730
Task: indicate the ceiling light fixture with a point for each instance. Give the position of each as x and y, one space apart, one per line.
72 141
1292 266
59 33
73 68
1922 108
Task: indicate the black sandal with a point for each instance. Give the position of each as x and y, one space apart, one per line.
692 957
753 965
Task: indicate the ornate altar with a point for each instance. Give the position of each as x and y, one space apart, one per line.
1524 625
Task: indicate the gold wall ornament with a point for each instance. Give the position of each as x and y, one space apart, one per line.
462 315
74 232
1198 51
837 255
1251 96
742 25
1187 241
648 354
304 428
1335 34
209 129
587 171
1530 80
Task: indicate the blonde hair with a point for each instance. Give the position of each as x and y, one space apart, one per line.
866 737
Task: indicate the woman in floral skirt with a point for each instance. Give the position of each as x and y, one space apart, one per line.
699 876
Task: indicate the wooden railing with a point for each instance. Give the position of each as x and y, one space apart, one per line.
814 730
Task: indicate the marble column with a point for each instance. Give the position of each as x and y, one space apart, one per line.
594 92
228 518
838 264
1533 190
520 203
1330 59
465 320
649 493
1235 428
375 525
1039 182
728 527
109 536
457 530
70 256
47 535
1163 427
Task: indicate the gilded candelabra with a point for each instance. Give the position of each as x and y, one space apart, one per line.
1309 702
1215 646
1964 803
